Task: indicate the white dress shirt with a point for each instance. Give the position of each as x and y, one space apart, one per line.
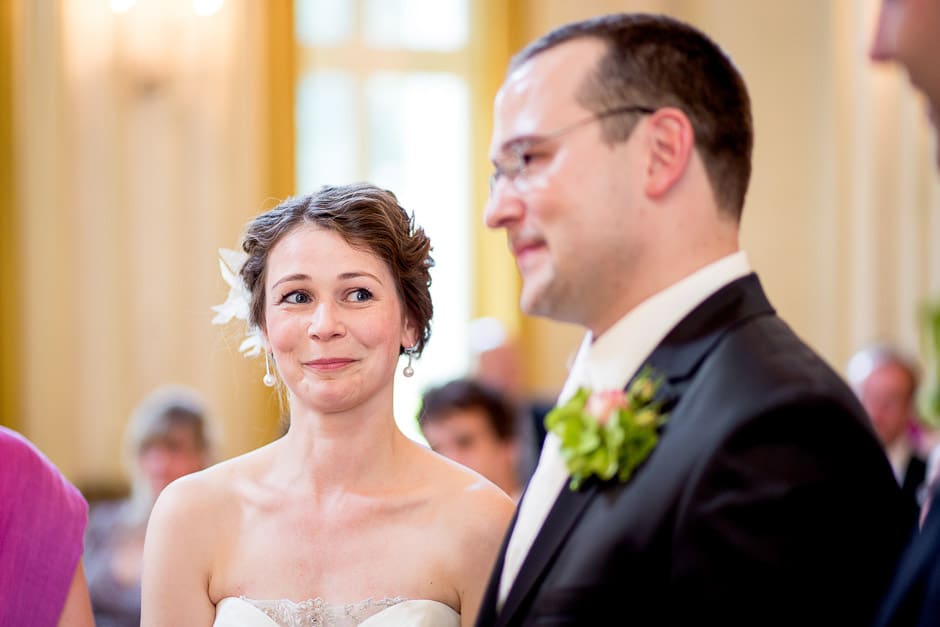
609 362
930 481
899 455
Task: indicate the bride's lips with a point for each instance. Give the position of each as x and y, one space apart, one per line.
329 364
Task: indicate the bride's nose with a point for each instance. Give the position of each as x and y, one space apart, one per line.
325 322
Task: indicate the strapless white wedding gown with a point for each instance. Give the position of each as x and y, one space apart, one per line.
394 612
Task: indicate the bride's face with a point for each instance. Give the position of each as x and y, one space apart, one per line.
334 320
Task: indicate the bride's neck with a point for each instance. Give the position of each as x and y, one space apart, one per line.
358 448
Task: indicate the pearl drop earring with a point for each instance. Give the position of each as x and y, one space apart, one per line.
408 370
268 379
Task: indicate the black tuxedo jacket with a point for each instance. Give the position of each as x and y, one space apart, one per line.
914 597
912 485
767 501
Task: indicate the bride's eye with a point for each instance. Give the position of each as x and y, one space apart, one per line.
359 295
296 298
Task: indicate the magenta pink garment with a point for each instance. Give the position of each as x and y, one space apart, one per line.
42 521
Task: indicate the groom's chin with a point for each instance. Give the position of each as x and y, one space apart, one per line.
527 303
541 301
532 299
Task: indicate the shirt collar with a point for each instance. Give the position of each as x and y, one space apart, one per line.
610 360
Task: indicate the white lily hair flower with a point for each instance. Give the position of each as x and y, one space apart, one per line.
237 305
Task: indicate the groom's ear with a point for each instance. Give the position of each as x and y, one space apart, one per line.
671 141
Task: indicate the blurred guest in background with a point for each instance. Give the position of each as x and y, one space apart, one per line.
497 363
42 518
475 425
169 435
886 382
906 33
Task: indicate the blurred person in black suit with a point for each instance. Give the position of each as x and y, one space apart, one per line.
886 382
908 33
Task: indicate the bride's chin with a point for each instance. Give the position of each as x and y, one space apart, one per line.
328 399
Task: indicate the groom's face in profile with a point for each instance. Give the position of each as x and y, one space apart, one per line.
908 32
561 192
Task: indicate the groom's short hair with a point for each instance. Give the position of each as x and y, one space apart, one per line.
657 61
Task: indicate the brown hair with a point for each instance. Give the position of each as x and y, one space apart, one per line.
438 403
367 218
656 61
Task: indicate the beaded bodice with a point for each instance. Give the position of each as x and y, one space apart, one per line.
318 613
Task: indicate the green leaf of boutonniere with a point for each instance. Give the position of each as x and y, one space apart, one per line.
928 394
609 433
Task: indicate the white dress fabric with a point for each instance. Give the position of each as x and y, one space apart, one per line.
392 612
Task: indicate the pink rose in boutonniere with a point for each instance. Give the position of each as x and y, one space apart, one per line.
602 405
608 433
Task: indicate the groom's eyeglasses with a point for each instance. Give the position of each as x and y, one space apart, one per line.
514 164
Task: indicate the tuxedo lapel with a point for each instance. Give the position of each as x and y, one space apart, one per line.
913 585
681 353
684 349
564 513
487 613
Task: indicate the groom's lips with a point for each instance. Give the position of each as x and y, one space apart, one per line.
521 250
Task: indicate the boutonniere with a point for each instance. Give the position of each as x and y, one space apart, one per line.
608 433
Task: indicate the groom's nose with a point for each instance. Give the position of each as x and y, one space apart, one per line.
503 206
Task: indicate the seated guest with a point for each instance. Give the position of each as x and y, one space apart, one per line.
475 425
886 381
169 435
497 362
42 518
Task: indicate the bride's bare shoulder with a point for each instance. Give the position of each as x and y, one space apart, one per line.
469 511
461 489
209 493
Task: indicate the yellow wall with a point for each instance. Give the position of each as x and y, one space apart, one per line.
9 224
137 156
497 286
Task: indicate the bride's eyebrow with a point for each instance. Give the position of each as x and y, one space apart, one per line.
291 277
345 276
355 275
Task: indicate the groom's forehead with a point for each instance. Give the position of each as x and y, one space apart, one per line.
541 92
554 74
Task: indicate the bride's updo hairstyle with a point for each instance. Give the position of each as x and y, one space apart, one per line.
367 218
